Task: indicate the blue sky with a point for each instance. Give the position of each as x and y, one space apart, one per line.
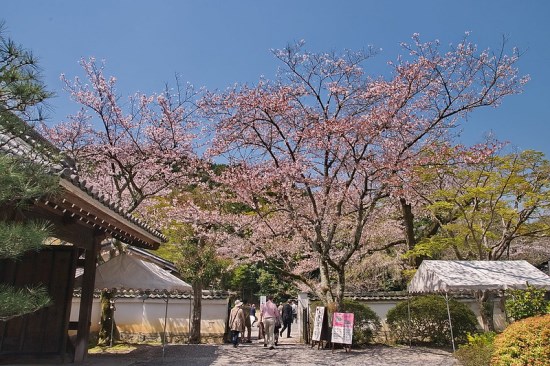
218 43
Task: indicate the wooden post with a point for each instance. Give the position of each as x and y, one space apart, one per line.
86 301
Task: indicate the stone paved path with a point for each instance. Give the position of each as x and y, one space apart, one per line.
285 354
289 352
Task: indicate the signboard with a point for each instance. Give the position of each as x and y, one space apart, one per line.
342 328
263 300
318 322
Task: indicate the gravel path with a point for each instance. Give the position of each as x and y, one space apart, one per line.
288 352
284 354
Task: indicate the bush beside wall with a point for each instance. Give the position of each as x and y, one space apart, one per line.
429 322
525 342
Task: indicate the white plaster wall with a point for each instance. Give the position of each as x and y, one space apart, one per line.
381 308
137 316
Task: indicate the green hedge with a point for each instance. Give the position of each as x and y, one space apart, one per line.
521 304
365 321
429 321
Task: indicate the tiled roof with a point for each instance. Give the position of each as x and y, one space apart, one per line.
158 294
72 177
378 296
386 296
31 145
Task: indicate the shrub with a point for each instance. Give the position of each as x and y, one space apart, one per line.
525 342
365 321
521 304
429 321
478 351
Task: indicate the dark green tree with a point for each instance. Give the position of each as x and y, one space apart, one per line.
251 280
198 264
21 181
22 91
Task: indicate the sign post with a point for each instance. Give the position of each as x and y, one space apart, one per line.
342 330
320 327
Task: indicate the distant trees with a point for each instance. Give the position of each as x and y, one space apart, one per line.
252 280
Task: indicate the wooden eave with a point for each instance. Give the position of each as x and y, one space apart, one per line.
74 203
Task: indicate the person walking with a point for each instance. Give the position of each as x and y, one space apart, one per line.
247 323
253 314
287 318
236 322
269 315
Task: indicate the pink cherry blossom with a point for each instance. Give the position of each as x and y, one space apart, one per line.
320 153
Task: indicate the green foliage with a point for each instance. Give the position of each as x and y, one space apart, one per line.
270 282
478 351
521 304
168 251
480 204
366 322
16 302
21 92
17 238
21 86
22 181
197 260
254 279
429 321
525 342
244 280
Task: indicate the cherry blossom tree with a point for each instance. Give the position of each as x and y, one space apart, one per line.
132 151
130 156
317 153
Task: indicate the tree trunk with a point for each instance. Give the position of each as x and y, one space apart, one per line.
107 322
195 333
485 302
408 223
340 289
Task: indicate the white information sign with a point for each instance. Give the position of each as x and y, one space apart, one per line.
318 323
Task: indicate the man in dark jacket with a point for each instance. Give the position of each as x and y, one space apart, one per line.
287 318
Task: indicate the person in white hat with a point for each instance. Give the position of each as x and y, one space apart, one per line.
236 322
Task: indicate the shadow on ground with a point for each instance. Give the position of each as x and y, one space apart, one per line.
284 354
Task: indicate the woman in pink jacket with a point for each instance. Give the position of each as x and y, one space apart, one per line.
269 314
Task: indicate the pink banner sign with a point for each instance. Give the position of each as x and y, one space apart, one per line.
342 328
